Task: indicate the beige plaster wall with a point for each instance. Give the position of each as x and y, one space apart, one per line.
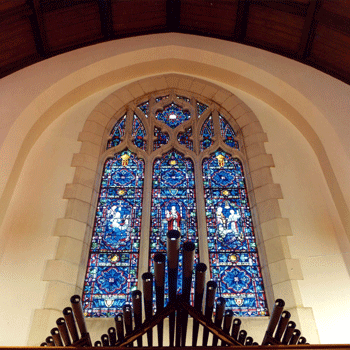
318 239
36 205
42 111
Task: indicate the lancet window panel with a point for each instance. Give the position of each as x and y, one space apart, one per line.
173 205
114 254
234 262
173 200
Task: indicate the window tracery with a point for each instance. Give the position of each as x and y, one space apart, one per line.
187 131
201 107
228 133
207 133
162 138
173 115
138 133
144 107
184 138
117 133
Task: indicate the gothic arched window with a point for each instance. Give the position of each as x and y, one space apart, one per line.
165 155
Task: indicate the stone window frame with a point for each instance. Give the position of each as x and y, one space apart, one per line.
65 274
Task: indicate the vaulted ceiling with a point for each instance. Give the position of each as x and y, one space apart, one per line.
315 32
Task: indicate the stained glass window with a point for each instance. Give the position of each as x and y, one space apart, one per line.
184 138
113 264
207 133
233 254
228 133
162 138
201 107
173 115
117 133
144 107
138 133
173 202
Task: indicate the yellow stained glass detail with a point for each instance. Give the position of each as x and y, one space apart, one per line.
221 160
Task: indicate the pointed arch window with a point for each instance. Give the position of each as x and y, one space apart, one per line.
186 145
115 246
233 257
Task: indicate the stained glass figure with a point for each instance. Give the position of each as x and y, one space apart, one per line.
207 132
184 138
117 133
173 202
173 115
201 107
159 98
138 133
228 133
233 255
183 98
113 263
144 107
162 138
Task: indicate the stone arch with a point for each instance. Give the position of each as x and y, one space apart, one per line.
65 274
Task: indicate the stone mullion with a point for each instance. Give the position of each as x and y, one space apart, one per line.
128 124
216 125
147 200
194 126
201 216
146 220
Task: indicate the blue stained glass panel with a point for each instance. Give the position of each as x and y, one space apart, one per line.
184 138
162 138
138 133
173 203
228 133
113 263
117 133
207 132
144 107
173 200
201 107
173 115
233 254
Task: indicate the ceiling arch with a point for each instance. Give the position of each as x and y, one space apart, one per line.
314 32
